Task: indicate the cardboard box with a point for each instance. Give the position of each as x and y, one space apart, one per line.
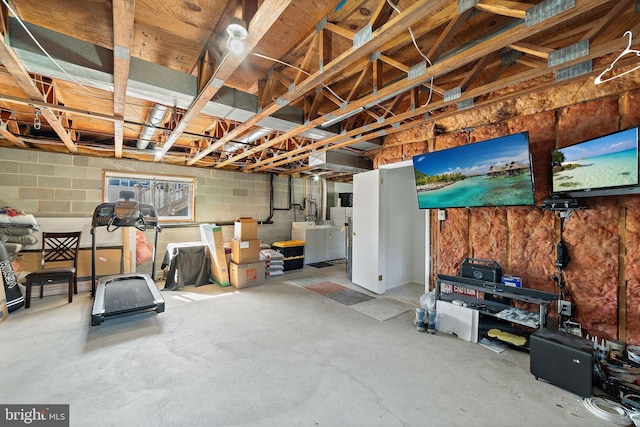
245 275
514 281
245 229
212 235
245 251
227 255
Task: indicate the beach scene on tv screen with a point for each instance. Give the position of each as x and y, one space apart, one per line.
496 172
608 161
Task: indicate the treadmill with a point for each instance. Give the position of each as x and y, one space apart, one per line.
130 292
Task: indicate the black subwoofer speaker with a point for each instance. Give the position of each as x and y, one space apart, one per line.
563 360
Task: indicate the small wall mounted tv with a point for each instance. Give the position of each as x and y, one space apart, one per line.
496 172
606 165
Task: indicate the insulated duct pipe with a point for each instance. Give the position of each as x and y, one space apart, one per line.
156 116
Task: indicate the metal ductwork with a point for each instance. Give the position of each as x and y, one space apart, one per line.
156 116
250 138
92 66
340 161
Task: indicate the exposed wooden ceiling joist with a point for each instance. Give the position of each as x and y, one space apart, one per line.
262 21
381 36
310 63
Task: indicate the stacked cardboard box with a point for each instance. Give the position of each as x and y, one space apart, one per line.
246 267
245 275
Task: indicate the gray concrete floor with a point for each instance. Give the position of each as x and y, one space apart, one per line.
273 355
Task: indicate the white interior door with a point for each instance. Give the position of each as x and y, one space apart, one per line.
365 232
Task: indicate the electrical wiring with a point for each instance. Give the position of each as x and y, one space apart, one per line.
415 43
608 410
259 55
342 100
297 69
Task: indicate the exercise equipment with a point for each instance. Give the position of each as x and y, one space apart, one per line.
130 292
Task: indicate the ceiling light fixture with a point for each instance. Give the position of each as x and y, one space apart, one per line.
237 32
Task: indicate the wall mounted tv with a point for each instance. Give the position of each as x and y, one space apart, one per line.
603 166
496 172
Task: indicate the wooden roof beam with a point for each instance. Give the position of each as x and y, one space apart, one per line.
69 110
205 73
329 144
123 12
382 13
396 102
475 71
340 31
447 35
266 16
485 48
282 79
21 75
532 62
325 48
380 37
308 57
512 9
312 111
530 49
4 19
5 124
331 96
603 22
266 90
400 66
436 19
359 84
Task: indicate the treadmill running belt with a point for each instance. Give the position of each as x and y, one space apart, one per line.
127 295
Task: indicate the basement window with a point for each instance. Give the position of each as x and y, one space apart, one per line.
172 196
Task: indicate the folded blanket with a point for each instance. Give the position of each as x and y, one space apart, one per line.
17 230
23 240
20 219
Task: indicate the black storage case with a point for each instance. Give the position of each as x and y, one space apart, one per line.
293 263
481 269
289 248
563 360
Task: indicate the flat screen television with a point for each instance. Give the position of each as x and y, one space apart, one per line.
606 165
496 172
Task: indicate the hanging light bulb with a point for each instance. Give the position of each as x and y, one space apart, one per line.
235 46
237 32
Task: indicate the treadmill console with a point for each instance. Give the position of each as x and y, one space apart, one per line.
124 213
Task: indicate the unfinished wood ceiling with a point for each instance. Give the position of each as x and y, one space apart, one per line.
319 85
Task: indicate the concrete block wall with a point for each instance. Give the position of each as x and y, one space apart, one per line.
70 186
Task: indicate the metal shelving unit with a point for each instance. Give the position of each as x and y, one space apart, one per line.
493 308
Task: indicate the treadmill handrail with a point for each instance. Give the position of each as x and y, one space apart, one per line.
147 217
